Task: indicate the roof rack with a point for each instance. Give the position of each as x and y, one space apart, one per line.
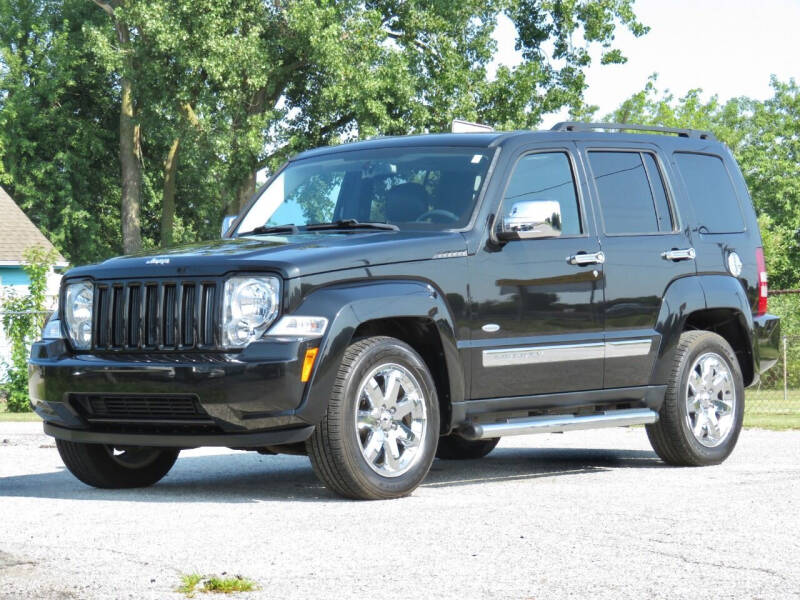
581 126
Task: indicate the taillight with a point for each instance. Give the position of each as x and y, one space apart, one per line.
763 290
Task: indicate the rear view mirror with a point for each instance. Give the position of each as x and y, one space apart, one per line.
532 219
227 221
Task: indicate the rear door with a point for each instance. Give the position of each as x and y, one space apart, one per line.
646 248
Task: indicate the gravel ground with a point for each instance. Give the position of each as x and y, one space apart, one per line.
586 514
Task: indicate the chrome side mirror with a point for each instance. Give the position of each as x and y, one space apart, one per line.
531 219
227 221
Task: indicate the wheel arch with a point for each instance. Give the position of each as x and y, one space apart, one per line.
414 312
707 302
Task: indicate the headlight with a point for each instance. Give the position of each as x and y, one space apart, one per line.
250 306
78 307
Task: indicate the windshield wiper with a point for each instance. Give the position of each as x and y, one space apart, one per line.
351 224
289 228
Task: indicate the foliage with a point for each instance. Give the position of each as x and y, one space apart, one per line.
57 126
213 584
769 155
787 307
765 139
234 86
23 320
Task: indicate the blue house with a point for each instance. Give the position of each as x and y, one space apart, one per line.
17 234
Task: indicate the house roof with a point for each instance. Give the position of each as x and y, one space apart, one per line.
18 233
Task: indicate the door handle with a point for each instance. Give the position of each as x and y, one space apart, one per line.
597 258
685 254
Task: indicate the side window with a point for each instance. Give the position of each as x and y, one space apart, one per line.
631 192
546 177
711 192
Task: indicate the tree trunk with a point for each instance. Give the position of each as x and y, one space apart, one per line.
246 190
168 197
170 180
129 156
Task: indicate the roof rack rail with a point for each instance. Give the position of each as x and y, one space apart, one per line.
581 126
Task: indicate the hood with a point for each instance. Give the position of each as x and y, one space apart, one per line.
290 255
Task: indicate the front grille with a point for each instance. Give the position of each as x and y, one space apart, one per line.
121 408
155 315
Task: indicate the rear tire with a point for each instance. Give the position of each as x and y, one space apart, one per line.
378 437
455 447
102 466
700 420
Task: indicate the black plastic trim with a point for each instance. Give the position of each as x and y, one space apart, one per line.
230 440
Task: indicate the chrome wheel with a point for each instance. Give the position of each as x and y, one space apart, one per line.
391 419
710 400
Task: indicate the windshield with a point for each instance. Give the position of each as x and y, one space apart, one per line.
412 188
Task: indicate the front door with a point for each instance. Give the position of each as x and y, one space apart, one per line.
536 316
645 249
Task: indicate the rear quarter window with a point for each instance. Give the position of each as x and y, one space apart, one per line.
711 192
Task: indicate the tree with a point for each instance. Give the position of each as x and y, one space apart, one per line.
129 133
769 154
58 126
266 79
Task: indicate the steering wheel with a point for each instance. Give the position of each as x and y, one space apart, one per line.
438 212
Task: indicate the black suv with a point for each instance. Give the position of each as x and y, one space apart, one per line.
383 302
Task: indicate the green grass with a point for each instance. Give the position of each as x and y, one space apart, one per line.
17 417
768 409
194 582
776 422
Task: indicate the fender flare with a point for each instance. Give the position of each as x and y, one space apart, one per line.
347 306
689 295
726 292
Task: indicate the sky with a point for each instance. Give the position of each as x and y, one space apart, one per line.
726 47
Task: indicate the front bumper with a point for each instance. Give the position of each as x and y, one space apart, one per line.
251 398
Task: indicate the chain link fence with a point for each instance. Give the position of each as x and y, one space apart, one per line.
775 400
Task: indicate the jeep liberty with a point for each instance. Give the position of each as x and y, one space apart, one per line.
381 303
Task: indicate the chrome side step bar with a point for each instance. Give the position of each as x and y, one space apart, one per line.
559 423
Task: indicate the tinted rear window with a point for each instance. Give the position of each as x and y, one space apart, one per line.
631 202
711 192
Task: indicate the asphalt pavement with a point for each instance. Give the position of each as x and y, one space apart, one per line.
589 514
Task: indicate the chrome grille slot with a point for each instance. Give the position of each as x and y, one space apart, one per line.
134 314
207 314
188 315
118 316
168 311
151 316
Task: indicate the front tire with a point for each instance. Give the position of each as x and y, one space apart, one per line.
700 420
378 437
103 466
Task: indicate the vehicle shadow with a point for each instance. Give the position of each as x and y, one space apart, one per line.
250 477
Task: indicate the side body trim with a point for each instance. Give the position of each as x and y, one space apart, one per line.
527 355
